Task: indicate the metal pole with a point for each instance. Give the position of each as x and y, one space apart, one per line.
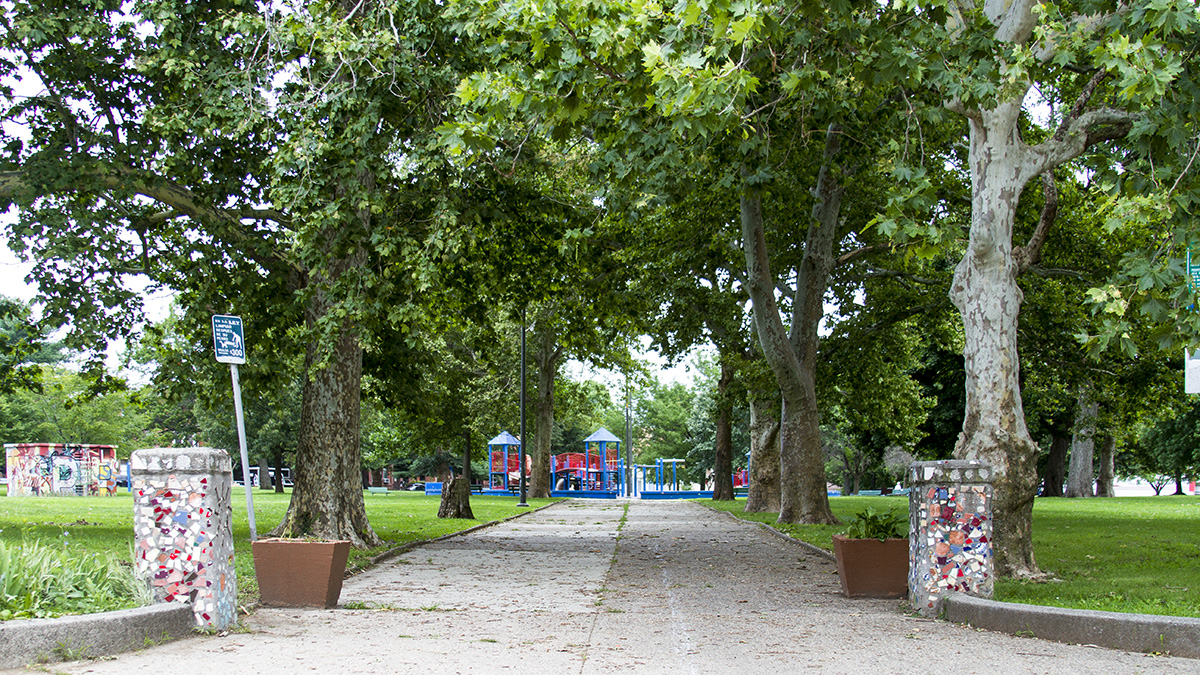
629 480
241 427
521 452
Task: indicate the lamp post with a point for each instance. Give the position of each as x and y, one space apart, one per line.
628 444
521 447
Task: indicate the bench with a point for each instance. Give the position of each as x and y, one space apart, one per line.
378 490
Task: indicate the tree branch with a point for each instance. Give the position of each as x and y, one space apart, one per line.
906 276
1056 272
1076 110
225 223
1090 128
850 257
1031 253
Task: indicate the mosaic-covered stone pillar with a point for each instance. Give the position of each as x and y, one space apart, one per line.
182 519
950 531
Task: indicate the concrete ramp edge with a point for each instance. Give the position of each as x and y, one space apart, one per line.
1173 635
31 641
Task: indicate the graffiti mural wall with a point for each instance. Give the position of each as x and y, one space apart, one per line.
55 469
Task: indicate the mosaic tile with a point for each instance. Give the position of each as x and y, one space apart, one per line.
184 529
951 527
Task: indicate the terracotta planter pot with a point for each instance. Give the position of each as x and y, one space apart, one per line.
872 568
299 573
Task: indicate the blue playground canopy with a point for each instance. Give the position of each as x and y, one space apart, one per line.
504 438
602 435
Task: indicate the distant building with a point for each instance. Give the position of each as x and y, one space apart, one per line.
58 469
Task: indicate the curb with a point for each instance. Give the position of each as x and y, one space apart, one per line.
1149 633
1146 633
811 548
404 548
69 638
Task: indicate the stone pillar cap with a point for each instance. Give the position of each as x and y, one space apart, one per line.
190 460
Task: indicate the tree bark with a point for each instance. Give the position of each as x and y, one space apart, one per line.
1056 466
1108 451
327 500
264 475
985 289
456 499
546 359
723 464
1080 479
763 494
279 470
986 294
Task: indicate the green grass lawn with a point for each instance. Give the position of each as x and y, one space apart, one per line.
105 524
1128 554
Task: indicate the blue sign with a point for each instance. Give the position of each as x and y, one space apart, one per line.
229 340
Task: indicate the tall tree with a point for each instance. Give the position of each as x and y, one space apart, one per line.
157 133
1097 67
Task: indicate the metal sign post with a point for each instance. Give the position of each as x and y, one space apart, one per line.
229 340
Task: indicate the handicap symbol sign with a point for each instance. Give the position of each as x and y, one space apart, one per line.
229 339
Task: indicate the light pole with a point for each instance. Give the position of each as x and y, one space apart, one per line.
628 444
521 447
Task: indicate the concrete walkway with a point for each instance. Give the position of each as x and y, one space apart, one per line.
593 587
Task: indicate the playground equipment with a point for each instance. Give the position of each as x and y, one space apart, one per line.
504 460
664 482
597 472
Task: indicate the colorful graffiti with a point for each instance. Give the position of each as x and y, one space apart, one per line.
56 469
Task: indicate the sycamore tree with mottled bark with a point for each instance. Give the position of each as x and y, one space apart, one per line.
1100 70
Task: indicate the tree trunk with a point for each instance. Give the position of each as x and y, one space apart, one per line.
803 491
723 466
264 475
1056 466
279 470
546 359
763 495
986 294
1108 451
456 499
806 499
327 500
1080 479
466 456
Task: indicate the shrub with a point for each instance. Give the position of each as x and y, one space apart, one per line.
39 581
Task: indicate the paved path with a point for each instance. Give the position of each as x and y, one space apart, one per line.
590 587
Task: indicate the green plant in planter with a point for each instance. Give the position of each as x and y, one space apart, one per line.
869 524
